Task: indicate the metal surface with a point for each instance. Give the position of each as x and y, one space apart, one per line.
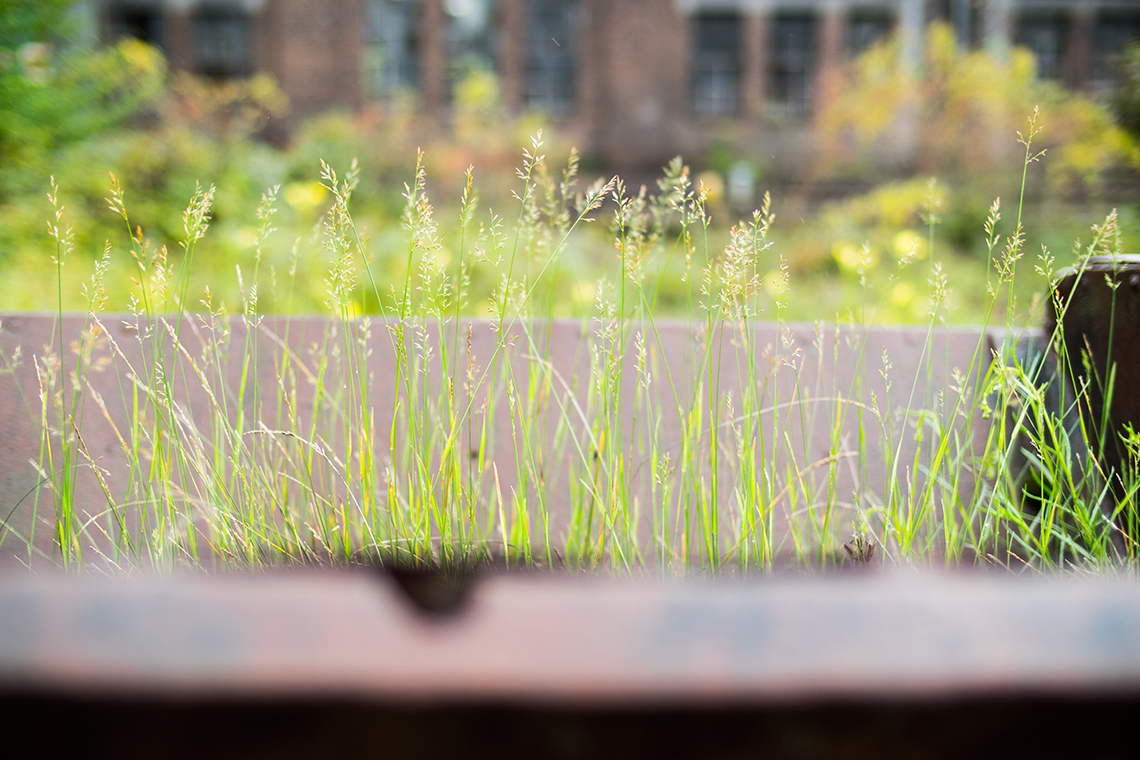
1098 309
560 641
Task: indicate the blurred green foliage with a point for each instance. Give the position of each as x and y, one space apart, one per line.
50 100
25 21
955 117
1127 98
81 115
162 135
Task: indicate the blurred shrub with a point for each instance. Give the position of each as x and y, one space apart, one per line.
49 101
1127 98
904 205
25 21
163 135
895 204
229 110
195 132
956 116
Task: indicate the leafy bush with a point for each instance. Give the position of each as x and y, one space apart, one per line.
191 131
188 130
954 116
29 21
1127 98
52 101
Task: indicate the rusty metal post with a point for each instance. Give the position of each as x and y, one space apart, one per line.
1094 316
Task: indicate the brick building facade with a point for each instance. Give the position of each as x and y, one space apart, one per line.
637 80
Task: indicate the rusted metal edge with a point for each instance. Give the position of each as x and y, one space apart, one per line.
561 640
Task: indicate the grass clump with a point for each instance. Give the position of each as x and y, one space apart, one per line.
728 441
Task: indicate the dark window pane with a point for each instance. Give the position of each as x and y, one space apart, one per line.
143 22
793 62
865 28
471 39
221 43
1112 34
551 44
716 64
391 41
1045 35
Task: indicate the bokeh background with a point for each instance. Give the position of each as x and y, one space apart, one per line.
884 130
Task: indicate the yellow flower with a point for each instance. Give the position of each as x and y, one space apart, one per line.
305 196
902 294
908 244
775 282
246 236
854 258
713 184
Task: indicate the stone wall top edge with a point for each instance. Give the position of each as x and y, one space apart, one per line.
671 324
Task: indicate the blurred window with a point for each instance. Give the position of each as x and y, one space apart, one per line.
142 21
1112 34
221 42
551 44
865 28
792 62
716 64
1045 35
966 16
391 42
471 38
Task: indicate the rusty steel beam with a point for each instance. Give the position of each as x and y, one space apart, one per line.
555 640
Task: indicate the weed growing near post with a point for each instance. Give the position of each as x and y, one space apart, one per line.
728 442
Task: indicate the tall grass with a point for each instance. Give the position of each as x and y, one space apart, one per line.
727 442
